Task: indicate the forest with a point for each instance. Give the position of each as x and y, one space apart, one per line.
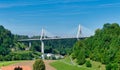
103 47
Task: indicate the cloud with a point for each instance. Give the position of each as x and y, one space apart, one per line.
64 1
38 2
53 14
6 5
110 5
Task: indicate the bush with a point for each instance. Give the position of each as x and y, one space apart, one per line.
88 64
39 65
1 58
81 58
19 55
108 66
112 66
18 68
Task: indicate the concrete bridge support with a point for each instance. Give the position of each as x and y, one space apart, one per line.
29 46
42 49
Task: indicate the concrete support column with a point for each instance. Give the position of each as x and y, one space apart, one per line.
29 45
42 49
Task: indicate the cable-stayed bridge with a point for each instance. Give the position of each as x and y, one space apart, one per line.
45 35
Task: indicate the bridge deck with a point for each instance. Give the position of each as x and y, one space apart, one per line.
23 40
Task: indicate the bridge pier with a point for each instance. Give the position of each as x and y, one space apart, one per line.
42 49
29 46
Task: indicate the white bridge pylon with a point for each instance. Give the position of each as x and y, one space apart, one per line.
79 32
42 43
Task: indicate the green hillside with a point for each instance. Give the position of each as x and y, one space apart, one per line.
103 47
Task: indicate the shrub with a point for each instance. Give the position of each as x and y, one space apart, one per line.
112 66
18 68
81 58
109 67
1 58
19 55
88 63
73 56
39 65
115 66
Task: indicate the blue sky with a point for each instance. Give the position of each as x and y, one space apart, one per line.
27 17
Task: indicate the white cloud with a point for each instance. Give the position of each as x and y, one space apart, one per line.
110 5
40 2
53 14
5 5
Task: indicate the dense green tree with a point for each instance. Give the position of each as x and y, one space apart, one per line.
79 52
88 63
6 41
39 65
81 58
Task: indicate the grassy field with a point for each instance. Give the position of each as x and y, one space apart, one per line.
6 63
63 66
66 64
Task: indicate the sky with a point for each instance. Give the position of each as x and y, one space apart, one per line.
28 17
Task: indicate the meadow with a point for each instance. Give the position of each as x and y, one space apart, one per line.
67 64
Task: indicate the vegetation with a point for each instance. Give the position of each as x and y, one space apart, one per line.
78 52
104 46
5 41
62 47
67 64
21 55
88 63
112 66
18 68
39 65
9 44
6 63
64 66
